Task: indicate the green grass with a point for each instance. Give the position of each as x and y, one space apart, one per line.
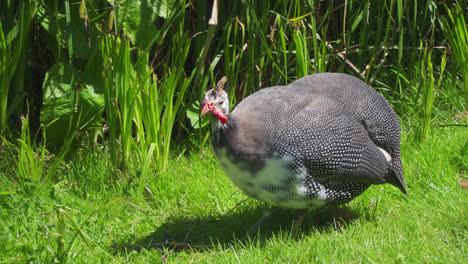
92 215
126 196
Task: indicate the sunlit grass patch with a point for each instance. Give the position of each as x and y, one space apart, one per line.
185 215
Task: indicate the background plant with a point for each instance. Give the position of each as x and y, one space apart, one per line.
99 108
129 75
456 32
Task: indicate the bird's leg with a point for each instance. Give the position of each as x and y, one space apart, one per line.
253 228
298 218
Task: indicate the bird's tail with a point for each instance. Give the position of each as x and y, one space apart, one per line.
395 177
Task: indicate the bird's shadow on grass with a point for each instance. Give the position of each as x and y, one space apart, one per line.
198 233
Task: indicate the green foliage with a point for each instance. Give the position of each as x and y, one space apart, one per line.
30 155
13 39
58 109
68 28
428 90
456 32
129 76
137 17
29 160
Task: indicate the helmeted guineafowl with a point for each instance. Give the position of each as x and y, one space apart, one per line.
321 140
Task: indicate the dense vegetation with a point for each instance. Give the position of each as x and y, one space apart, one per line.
100 99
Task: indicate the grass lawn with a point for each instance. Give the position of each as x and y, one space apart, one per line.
92 216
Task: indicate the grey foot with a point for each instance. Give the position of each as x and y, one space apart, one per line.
254 228
297 222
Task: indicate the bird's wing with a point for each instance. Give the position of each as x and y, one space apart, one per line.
333 145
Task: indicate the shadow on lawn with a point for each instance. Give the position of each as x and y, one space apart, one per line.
204 233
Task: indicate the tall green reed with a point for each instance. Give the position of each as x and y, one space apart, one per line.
429 89
125 94
456 32
141 109
119 93
302 54
13 44
156 110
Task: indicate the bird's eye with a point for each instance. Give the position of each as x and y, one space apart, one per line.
221 102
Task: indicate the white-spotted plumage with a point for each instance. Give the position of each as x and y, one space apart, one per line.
272 174
323 139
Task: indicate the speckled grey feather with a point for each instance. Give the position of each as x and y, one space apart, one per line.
327 128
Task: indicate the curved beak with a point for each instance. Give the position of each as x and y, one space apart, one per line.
206 106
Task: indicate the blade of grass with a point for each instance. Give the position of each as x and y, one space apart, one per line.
87 239
109 96
144 172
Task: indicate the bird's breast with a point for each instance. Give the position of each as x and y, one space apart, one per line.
271 180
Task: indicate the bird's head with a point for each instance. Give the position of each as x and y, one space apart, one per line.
216 101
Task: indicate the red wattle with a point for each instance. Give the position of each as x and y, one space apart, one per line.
222 117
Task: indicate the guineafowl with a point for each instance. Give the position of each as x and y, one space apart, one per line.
320 140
